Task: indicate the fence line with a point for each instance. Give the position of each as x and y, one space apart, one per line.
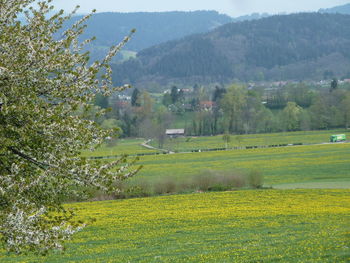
199 150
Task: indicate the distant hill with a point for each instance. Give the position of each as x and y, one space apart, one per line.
343 9
297 47
151 28
252 16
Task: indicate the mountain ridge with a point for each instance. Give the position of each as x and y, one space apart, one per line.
342 9
297 46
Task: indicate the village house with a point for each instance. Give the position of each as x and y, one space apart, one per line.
206 105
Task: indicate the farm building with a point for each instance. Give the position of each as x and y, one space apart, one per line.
175 132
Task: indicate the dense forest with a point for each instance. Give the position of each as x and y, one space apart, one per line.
152 28
284 47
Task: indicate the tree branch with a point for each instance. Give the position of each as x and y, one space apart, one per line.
41 165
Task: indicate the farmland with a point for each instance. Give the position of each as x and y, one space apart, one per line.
122 146
233 190
285 165
241 226
210 142
308 225
133 146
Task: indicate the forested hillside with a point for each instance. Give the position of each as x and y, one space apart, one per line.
151 28
296 47
343 9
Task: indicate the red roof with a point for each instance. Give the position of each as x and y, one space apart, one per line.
207 104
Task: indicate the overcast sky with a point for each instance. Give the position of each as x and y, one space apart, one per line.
230 7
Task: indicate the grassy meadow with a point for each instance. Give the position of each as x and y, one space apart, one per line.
210 142
285 224
122 146
133 146
285 165
240 226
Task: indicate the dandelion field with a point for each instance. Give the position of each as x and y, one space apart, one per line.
240 226
270 225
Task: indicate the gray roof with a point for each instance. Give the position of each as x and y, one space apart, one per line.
175 131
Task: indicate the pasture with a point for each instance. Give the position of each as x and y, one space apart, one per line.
240 226
246 140
270 225
285 165
122 146
188 144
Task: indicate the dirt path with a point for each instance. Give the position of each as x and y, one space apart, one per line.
146 145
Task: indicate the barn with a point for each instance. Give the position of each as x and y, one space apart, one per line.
173 133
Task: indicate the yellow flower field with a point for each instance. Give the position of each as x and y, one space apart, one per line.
240 226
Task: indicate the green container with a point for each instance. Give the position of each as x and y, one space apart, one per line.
338 138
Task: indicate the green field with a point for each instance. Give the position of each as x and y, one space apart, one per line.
133 146
242 226
284 165
210 142
284 225
123 146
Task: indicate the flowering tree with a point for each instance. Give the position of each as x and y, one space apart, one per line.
45 80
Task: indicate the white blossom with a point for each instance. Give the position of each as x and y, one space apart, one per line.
45 84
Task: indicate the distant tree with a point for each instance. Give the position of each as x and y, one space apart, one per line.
101 101
291 116
181 95
305 120
218 93
345 109
195 103
334 84
109 124
129 122
319 113
232 105
135 98
163 120
196 90
266 121
277 99
174 94
146 105
226 138
301 94
167 99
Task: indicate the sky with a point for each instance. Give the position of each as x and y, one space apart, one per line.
233 8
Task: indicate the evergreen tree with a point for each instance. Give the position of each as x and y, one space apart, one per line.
174 94
135 98
334 84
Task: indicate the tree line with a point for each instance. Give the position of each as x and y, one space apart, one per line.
234 109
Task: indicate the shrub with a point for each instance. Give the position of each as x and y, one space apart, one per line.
166 185
218 180
255 179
